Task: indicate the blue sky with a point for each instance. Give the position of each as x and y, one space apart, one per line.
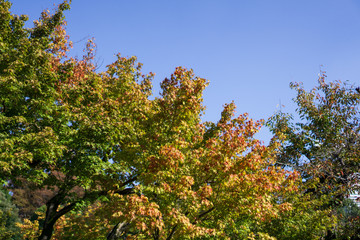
249 50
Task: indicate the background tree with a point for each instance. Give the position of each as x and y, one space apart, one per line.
348 226
8 217
28 197
324 145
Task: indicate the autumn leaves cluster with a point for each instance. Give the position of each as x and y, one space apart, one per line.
119 164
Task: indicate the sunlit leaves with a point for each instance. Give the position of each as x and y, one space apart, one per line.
113 156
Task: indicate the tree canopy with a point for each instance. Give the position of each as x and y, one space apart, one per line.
93 155
324 145
90 136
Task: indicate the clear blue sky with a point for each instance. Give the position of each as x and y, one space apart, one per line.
249 50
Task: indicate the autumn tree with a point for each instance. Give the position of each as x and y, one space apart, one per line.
324 145
60 123
27 197
194 179
152 166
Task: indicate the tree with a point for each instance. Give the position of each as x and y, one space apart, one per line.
307 219
28 198
58 116
152 165
194 179
324 145
8 217
348 226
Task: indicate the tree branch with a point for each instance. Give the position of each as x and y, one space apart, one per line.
172 232
203 214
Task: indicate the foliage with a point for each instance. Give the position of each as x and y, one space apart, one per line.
8 217
88 223
306 220
349 224
193 179
27 197
167 173
104 155
31 227
58 115
324 145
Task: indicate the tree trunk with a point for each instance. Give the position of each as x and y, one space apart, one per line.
118 231
52 215
50 219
